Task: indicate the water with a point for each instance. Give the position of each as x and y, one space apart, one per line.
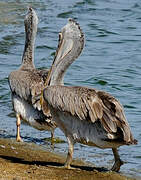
110 61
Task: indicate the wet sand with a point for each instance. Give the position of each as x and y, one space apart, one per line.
23 161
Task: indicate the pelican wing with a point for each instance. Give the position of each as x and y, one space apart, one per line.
90 105
28 84
113 116
78 101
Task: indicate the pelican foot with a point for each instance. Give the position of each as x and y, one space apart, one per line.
19 139
63 167
69 167
117 164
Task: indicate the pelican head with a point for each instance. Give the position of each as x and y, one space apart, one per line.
70 45
31 21
69 35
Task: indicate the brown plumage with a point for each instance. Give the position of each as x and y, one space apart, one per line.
92 105
28 82
85 115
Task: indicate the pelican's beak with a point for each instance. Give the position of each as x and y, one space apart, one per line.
64 47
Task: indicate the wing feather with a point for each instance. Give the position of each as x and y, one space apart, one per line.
91 105
28 84
116 118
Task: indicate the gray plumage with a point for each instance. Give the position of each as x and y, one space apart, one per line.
91 105
27 82
85 115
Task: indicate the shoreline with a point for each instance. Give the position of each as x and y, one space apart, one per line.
23 161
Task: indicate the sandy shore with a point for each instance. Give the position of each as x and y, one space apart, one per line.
23 161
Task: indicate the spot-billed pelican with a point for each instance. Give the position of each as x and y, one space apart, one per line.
27 82
85 115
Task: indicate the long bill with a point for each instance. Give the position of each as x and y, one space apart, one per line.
70 46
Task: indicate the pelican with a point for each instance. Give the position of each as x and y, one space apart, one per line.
85 115
27 81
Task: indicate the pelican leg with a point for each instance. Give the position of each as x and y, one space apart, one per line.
118 161
52 136
18 138
70 154
52 139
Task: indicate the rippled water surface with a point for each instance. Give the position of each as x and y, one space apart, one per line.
111 61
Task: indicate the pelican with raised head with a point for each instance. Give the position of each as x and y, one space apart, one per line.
85 115
27 82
